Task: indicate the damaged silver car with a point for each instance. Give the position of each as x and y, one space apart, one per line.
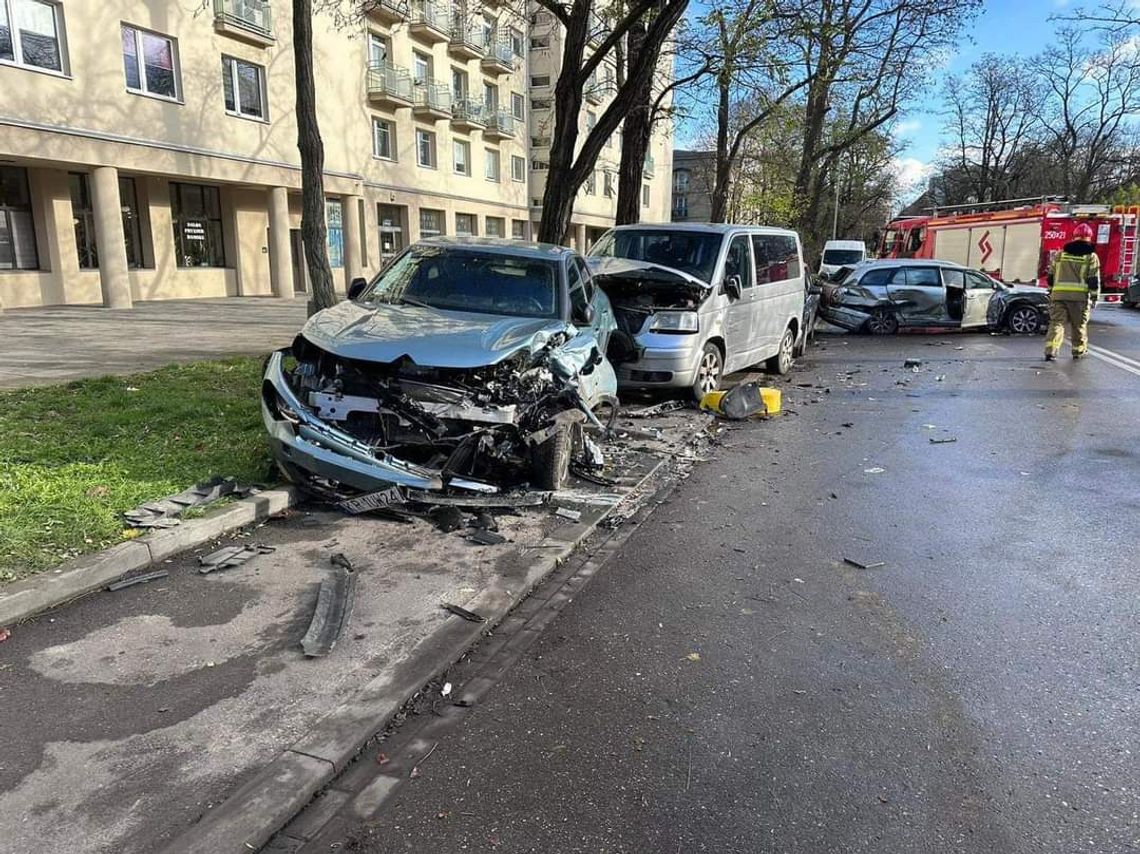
473 365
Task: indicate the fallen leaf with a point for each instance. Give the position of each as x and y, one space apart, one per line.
693 656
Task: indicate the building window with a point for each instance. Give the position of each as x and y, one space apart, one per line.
608 179
540 103
540 81
518 106
459 87
378 49
518 168
461 153
592 184
132 225
391 222
491 98
431 223
421 69
645 195
383 139
518 42
465 225
491 164
496 226
196 211
539 42
83 214
518 229
151 63
31 34
17 233
591 120
425 148
334 223
243 84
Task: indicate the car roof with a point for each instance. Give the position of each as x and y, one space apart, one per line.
704 227
845 244
502 246
908 262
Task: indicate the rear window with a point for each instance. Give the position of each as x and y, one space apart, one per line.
842 257
777 257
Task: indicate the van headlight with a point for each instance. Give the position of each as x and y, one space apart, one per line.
674 321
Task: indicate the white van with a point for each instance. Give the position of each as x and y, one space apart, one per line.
696 301
841 253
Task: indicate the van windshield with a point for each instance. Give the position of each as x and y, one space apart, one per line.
842 257
690 252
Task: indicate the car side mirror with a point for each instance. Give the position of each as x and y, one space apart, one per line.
356 287
733 288
584 316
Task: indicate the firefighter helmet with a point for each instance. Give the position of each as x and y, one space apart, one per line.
1084 232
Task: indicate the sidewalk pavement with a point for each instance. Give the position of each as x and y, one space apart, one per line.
40 346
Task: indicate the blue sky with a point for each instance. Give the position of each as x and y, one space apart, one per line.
1005 27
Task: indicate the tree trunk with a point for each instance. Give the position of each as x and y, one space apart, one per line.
635 137
314 234
723 174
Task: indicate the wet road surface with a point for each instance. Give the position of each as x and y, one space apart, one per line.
728 684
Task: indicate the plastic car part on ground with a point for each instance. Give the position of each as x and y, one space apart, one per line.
746 400
164 513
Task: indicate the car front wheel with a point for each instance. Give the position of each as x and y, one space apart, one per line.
882 322
1023 320
782 362
709 369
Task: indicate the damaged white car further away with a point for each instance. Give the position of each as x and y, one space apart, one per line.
469 365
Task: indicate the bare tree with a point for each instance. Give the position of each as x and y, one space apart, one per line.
571 164
991 119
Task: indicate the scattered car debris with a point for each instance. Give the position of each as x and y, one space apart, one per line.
382 500
656 410
230 556
340 560
5 634
445 690
333 611
743 401
858 564
517 500
874 470
469 616
164 513
484 521
945 441
567 513
447 519
912 363
483 537
137 579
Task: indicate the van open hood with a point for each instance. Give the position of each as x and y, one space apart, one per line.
625 275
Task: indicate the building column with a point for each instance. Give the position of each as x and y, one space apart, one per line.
280 250
353 253
579 232
114 271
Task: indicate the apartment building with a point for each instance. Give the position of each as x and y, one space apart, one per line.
148 149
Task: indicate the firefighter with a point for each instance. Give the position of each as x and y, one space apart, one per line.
1074 284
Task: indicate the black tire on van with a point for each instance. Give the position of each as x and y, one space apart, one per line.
781 363
710 369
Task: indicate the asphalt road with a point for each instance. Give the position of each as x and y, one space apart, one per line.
728 684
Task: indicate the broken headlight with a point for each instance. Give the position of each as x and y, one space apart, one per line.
674 321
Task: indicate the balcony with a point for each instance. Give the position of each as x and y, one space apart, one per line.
466 40
428 24
468 115
389 85
432 100
248 20
499 57
650 167
387 11
500 125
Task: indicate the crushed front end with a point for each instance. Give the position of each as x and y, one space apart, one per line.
370 425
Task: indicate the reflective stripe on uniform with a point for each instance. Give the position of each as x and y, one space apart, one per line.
1072 272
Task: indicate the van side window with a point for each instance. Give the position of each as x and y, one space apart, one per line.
739 262
777 257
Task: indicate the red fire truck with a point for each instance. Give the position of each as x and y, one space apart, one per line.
1016 240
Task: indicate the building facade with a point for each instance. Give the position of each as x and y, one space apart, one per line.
148 149
694 175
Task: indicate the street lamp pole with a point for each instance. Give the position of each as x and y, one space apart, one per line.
835 217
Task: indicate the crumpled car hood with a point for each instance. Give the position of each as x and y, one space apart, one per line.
428 336
643 272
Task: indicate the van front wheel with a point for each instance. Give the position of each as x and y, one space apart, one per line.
782 362
709 369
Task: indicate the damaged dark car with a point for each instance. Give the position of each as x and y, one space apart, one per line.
474 366
882 297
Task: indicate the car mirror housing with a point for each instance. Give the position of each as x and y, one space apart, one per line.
356 287
585 316
732 287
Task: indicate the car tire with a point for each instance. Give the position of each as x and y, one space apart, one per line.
551 459
781 363
882 322
1023 319
710 368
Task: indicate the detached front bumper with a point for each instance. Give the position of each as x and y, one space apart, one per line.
850 319
302 442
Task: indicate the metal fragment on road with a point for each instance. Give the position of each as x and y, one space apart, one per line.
912 363
230 556
945 441
567 513
340 560
525 499
484 537
137 579
655 410
334 608
858 564
469 616
381 500
164 513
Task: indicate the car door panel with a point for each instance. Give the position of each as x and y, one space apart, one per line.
739 321
918 296
979 291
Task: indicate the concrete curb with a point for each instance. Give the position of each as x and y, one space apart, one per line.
249 817
23 599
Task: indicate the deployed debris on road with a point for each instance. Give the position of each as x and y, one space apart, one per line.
656 410
483 537
746 400
137 579
858 564
164 513
334 608
946 441
567 513
230 556
469 616
340 560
